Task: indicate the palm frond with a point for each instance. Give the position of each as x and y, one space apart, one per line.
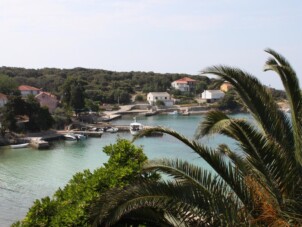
259 101
259 151
187 173
215 160
291 85
214 122
182 202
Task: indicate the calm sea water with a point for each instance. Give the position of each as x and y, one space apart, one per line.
28 174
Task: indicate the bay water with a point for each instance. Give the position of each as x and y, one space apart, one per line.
28 174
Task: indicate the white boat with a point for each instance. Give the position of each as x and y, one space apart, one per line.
74 137
80 136
21 145
186 113
175 112
112 129
70 137
135 127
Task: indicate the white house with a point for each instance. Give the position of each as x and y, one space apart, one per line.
3 99
184 84
28 90
212 95
152 97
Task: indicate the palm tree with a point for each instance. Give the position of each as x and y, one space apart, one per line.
259 186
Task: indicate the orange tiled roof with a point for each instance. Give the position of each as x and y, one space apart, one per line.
186 79
28 88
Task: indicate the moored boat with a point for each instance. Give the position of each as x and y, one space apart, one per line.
112 129
175 112
70 137
135 127
74 136
21 145
80 136
186 113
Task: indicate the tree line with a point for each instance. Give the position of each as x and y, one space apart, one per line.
99 85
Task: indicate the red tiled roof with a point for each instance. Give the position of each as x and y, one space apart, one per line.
28 88
186 79
3 96
181 81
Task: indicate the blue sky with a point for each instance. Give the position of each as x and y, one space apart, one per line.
167 36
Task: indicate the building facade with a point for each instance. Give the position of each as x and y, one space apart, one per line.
28 90
184 84
153 97
212 95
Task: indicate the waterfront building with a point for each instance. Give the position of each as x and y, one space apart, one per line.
28 90
184 84
212 95
152 97
47 99
3 99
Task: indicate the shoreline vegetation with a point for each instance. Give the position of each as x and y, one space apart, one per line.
100 96
106 118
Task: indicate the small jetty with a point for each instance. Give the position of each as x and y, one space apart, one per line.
111 117
151 113
86 133
39 143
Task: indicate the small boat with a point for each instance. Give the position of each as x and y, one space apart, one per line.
80 136
135 127
112 129
74 137
70 137
175 112
186 113
21 145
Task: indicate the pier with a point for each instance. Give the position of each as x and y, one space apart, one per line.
38 143
87 133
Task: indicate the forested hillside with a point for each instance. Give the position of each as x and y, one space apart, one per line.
98 84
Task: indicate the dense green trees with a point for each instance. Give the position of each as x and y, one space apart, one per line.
74 94
98 85
230 102
70 206
39 118
258 186
8 85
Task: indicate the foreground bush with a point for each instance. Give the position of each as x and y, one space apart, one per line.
70 206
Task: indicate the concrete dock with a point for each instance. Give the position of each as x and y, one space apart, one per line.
38 143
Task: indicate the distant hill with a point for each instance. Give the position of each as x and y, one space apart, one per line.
51 79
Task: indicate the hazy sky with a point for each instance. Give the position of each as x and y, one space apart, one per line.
175 36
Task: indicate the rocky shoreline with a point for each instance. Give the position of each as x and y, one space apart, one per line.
40 139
